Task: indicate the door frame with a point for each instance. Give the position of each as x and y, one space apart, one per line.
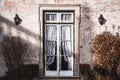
67 7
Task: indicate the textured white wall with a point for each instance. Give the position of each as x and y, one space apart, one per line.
29 29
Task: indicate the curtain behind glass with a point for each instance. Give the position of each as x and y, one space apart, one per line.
51 17
66 17
66 44
50 43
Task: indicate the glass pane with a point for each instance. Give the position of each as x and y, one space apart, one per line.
51 32
51 48
51 17
66 17
66 63
66 48
66 55
51 63
66 30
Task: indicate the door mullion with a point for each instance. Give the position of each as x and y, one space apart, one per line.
58 50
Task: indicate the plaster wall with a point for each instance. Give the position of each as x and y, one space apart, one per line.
29 28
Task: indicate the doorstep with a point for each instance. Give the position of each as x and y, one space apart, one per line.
59 78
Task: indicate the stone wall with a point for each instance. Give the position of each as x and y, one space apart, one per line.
29 31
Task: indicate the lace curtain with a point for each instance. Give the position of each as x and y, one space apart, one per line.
66 44
66 17
51 17
51 44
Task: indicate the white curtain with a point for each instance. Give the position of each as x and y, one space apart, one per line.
66 43
66 32
50 52
51 17
50 43
66 50
66 17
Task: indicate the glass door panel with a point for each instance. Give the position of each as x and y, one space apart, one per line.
50 47
66 55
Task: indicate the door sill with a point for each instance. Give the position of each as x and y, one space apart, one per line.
61 77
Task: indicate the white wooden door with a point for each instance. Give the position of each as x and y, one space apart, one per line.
58 43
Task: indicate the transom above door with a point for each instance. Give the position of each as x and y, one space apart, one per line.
58 43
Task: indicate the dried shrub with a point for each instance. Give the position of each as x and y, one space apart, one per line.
102 74
99 77
106 47
118 70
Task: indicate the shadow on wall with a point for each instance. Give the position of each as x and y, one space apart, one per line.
10 24
86 35
16 51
